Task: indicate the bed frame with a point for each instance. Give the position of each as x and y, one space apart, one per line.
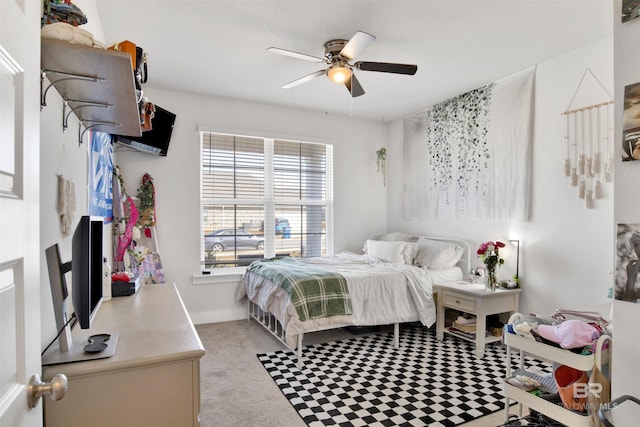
273 326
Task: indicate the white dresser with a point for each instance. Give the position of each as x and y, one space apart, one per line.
153 379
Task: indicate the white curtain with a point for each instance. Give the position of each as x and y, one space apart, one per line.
470 157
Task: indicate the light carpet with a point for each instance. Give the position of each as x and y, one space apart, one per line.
364 381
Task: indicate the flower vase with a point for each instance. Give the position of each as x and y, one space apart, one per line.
492 280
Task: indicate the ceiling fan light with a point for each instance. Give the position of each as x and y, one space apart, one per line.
339 74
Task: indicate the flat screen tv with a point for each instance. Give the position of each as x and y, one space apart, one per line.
86 268
86 293
155 141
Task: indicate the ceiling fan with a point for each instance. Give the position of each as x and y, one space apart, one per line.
337 54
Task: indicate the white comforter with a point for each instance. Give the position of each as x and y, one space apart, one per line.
381 294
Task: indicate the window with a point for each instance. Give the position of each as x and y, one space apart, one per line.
250 182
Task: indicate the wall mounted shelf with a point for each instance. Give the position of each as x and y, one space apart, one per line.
97 85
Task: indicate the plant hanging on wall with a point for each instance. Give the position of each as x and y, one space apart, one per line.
382 160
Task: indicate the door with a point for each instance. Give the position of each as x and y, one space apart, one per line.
19 209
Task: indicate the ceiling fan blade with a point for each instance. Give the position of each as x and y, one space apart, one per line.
296 55
354 87
305 79
356 44
386 67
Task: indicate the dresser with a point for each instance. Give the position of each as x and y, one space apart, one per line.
153 379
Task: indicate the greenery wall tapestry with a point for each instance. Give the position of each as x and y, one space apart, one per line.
470 156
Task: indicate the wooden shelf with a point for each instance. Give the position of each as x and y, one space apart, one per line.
97 85
488 338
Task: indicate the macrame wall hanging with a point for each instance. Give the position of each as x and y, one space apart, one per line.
588 130
66 200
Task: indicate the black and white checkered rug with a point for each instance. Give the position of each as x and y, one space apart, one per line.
364 381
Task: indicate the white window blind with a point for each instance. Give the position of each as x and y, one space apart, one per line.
248 182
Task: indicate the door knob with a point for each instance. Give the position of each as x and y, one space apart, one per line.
37 388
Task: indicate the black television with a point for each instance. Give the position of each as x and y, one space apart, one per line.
86 268
155 141
86 293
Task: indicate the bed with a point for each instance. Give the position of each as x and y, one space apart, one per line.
391 283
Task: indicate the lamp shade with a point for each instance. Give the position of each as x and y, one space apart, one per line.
508 250
338 73
514 243
511 246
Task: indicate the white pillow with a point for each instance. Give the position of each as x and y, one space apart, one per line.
437 254
396 237
398 252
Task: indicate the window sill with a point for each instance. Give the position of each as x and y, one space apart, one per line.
228 275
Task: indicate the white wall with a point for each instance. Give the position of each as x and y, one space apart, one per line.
566 252
566 249
359 194
550 273
60 152
626 211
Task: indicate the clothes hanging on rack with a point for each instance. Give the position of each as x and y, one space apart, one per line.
147 201
147 257
126 238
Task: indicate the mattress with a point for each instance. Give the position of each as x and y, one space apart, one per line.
381 293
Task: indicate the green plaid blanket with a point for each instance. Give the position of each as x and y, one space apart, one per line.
314 292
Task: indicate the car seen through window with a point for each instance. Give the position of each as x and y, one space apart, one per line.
229 240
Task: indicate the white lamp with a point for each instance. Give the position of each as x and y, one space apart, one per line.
338 73
516 243
507 251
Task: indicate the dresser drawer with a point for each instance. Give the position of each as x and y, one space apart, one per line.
459 301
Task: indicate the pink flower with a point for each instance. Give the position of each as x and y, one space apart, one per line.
488 252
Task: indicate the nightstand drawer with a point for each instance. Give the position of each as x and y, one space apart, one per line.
462 302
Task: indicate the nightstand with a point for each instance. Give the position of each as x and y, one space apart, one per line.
473 299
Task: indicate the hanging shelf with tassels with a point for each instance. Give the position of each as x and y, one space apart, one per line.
588 135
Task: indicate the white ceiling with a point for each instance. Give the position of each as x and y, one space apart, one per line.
217 47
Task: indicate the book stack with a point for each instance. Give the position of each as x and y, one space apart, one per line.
465 324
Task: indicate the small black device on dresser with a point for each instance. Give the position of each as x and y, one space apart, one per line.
125 289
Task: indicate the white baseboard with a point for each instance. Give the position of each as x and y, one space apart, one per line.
204 317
